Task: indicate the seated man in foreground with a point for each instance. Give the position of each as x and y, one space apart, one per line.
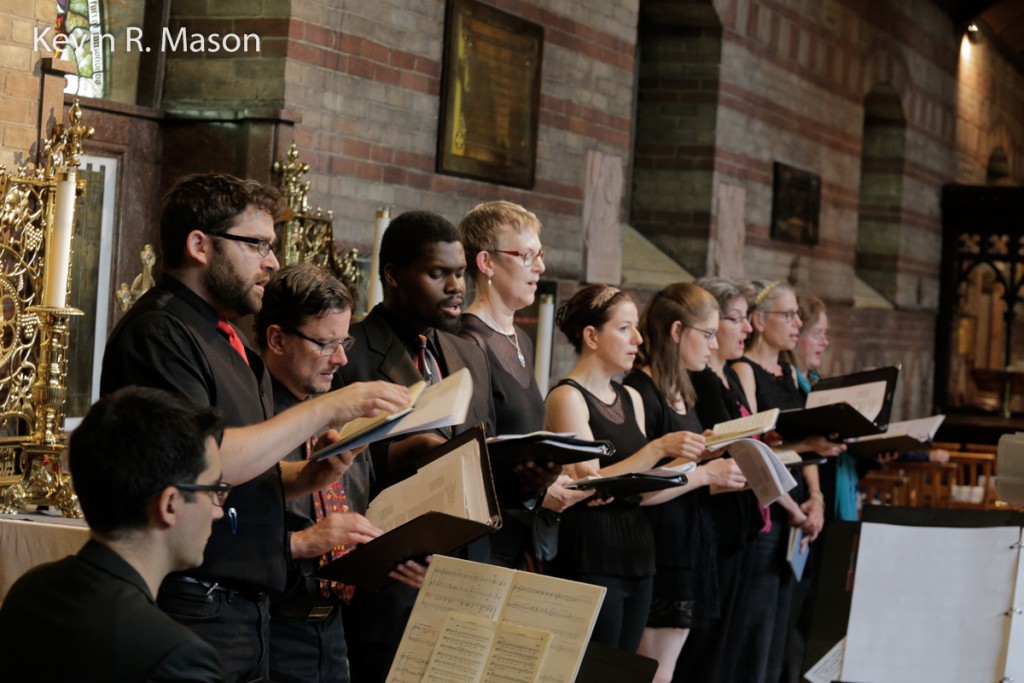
146 468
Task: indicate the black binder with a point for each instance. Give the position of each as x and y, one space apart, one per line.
543 448
889 374
868 450
606 664
626 485
432 533
835 418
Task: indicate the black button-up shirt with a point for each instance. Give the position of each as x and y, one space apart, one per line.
169 340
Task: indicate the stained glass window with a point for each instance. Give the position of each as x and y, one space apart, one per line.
82 22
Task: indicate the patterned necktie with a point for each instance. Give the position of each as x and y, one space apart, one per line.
426 362
225 328
331 500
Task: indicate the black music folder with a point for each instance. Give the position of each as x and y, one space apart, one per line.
858 404
545 447
834 418
632 484
449 503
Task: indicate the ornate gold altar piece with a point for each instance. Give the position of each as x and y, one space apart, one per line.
143 282
308 235
34 337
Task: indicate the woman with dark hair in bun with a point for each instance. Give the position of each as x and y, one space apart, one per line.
608 542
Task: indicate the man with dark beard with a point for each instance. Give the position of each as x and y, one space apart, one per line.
217 239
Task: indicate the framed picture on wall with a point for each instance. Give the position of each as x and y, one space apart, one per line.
796 205
490 95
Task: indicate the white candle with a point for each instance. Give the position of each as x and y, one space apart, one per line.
58 244
375 292
545 330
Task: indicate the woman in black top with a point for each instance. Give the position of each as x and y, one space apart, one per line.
712 653
769 382
679 326
505 257
608 543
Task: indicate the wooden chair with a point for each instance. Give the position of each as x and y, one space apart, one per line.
881 488
977 471
929 484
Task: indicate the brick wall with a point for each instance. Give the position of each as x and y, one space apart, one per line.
990 99
236 80
790 84
366 80
20 83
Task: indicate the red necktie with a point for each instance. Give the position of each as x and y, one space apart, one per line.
225 328
329 500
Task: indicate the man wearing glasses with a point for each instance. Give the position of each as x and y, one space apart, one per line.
302 333
147 472
217 239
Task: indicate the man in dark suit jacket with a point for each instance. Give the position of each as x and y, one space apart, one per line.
423 272
146 467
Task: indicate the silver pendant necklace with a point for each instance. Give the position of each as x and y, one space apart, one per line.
513 338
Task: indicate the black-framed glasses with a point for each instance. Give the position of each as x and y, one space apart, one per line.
326 348
218 492
262 246
708 334
528 257
788 315
735 320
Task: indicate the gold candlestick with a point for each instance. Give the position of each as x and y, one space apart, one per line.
45 479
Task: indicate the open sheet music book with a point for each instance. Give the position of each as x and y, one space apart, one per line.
480 623
767 476
442 405
900 437
731 431
447 504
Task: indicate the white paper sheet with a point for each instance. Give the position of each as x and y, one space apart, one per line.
930 603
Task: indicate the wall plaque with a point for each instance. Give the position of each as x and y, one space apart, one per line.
796 203
490 95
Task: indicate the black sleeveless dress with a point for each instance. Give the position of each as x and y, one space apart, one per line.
686 582
518 409
736 515
613 539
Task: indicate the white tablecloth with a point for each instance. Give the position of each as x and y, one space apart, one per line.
24 543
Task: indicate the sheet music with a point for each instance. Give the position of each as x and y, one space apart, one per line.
542 432
437 487
566 609
440 405
450 585
930 603
461 651
922 429
733 430
361 424
830 667
867 398
766 475
517 654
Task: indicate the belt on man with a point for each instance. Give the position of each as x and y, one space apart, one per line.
302 611
229 589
